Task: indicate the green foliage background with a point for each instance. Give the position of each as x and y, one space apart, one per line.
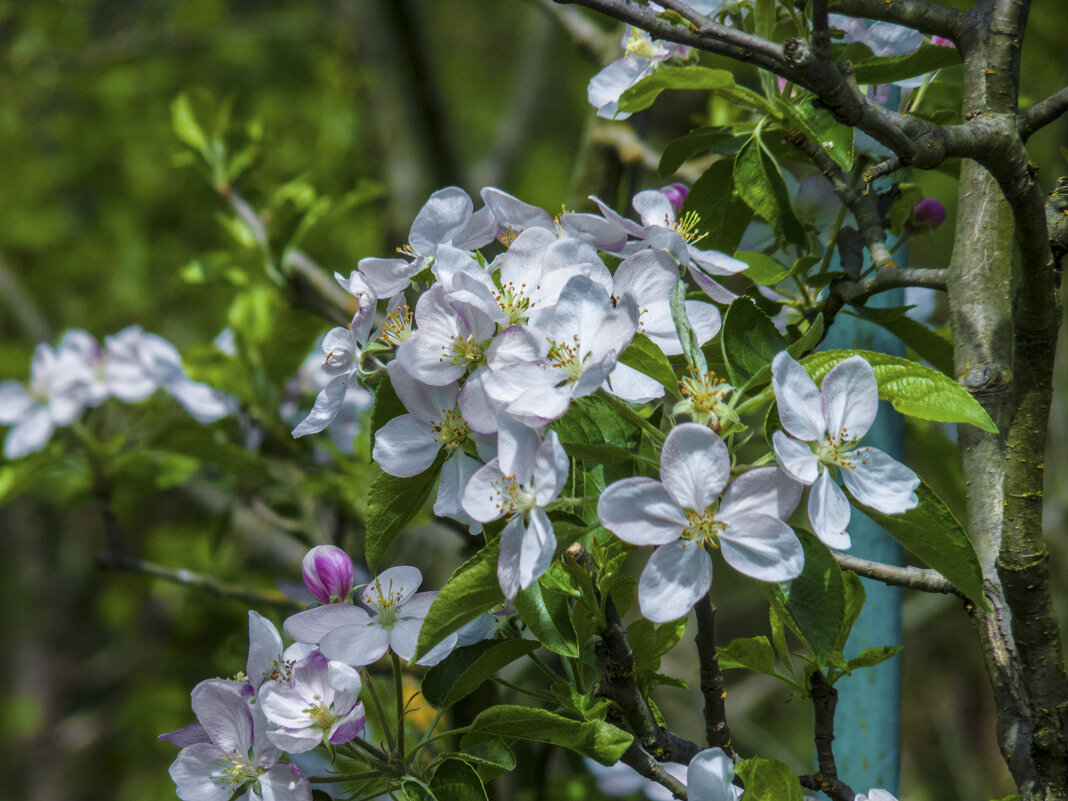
106 221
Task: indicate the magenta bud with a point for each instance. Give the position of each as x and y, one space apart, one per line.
328 573
941 41
676 195
929 213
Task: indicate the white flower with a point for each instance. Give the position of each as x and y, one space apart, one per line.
356 636
684 515
526 476
824 427
709 777
874 795
642 55
319 704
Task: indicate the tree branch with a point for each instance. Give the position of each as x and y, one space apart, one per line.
1042 113
824 701
717 733
929 18
648 767
914 578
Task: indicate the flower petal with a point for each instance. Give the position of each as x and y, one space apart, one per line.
800 402
762 547
795 458
327 405
224 715
641 511
194 772
312 625
285 782
850 399
709 776
676 576
694 465
400 583
538 546
828 512
765 490
881 482
356 645
264 648
482 498
405 447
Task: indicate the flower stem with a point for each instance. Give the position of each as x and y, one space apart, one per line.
369 684
398 685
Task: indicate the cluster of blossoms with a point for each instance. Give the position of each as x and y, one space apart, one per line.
79 373
497 350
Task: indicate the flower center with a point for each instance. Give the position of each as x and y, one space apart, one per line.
321 714
466 351
704 400
687 227
514 302
567 357
236 771
839 451
397 326
387 606
703 529
513 496
640 46
452 430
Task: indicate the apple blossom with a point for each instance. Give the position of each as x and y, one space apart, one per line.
709 777
328 573
823 427
684 515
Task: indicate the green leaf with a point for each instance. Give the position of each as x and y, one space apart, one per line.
870 657
759 181
644 92
647 358
912 388
768 780
391 504
690 349
916 335
800 346
596 739
820 126
415 790
471 590
455 780
186 127
723 214
932 533
593 421
649 642
751 653
855 596
887 69
487 750
749 340
763 269
816 598
463 671
718 139
548 616
386 405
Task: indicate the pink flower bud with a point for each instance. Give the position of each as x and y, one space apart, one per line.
328 573
676 195
941 41
928 213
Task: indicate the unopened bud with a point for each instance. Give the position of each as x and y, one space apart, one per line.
328 573
676 195
928 213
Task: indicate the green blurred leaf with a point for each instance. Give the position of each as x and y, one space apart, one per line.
763 269
888 69
596 739
718 139
751 653
186 127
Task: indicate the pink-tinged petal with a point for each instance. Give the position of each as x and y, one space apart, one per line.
654 208
311 625
387 277
828 512
765 490
550 469
634 387
186 736
345 684
762 547
676 576
713 262
194 771
712 289
854 29
284 706
513 213
888 39
709 776
483 499
795 458
508 559
641 511
349 727
800 402
311 676
538 547
14 402
285 782
30 434
327 405
355 645
880 481
224 715
264 649
632 228
405 447
444 212
850 399
694 465
400 583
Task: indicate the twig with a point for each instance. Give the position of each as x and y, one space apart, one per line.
888 167
824 701
1042 113
717 733
821 32
121 561
914 578
648 767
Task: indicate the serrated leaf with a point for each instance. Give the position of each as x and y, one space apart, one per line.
646 357
820 126
888 69
596 739
718 139
471 590
487 750
927 344
391 504
759 182
762 269
870 657
816 598
932 533
768 780
463 671
548 616
749 340
911 388
455 780
649 642
723 214
751 653
592 421
644 92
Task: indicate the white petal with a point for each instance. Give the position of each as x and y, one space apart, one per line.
594 230
264 648
550 469
606 86
400 582
327 405
513 213
641 511
477 407
455 475
828 512
765 490
425 402
536 551
204 403
509 558
880 481
694 465
30 434
355 645
312 625
850 399
387 277
445 212
654 208
14 402
674 579
521 266
762 547
795 458
888 39
627 383
709 775
405 447
224 715
482 498
517 447
193 771
800 402
285 782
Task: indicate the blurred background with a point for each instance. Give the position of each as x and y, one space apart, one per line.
337 120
